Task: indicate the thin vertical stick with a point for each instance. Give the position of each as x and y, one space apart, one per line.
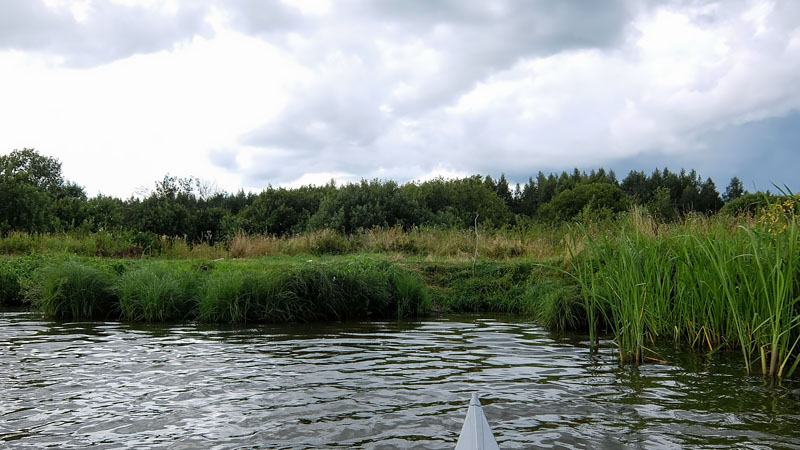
475 260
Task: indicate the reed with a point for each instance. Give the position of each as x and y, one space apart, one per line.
705 283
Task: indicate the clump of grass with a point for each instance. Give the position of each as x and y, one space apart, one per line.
348 289
73 290
240 295
327 242
242 245
18 243
554 304
181 249
411 295
157 292
10 286
488 287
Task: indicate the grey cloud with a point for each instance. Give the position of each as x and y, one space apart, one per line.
264 18
284 167
111 31
535 26
437 51
224 159
336 118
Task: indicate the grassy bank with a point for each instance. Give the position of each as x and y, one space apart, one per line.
711 284
274 290
280 288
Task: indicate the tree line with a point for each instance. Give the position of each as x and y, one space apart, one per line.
35 198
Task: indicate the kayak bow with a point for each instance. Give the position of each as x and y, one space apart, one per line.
476 433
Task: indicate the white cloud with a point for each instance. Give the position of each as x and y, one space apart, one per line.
251 93
129 122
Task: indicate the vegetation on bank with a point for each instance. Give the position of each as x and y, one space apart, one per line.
35 198
706 284
643 265
710 283
273 290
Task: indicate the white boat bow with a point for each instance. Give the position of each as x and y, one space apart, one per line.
476 433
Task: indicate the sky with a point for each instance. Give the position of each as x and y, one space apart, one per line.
251 93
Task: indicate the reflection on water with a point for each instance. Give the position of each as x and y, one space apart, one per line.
367 385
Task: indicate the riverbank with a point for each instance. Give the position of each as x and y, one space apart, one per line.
708 284
273 289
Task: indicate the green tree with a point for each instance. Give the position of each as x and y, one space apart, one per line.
636 186
504 190
30 183
29 167
709 200
283 211
364 205
661 207
584 198
455 203
734 190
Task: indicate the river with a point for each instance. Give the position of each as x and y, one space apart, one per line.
368 385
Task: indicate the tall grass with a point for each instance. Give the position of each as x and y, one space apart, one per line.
230 291
10 286
488 287
71 290
348 289
247 295
157 292
707 284
531 242
555 304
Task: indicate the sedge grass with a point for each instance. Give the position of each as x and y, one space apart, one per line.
157 292
555 304
304 291
74 290
247 295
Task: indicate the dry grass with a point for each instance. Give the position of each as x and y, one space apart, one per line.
534 241
452 244
244 246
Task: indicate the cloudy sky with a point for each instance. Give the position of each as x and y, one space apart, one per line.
246 93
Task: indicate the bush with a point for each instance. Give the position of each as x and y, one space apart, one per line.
748 204
568 204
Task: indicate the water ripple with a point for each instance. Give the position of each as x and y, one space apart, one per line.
369 386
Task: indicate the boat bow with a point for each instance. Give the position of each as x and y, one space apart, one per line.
476 433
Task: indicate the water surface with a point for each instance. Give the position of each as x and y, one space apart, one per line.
367 385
